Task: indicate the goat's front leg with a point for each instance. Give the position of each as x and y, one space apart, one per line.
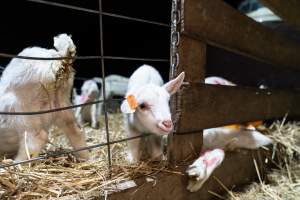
94 116
133 152
156 147
33 142
69 126
203 167
78 116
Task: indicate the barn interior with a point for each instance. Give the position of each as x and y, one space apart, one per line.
28 23
34 23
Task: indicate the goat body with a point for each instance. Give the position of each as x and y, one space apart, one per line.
152 113
89 113
115 85
218 140
34 85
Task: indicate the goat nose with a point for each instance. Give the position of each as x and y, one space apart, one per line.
167 123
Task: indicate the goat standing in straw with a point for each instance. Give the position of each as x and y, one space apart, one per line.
34 85
115 85
146 110
89 92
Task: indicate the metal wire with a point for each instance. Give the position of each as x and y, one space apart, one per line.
103 84
102 58
81 78
99 12
56 154
55 109
6 55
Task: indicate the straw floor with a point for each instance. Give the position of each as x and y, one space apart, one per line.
64 178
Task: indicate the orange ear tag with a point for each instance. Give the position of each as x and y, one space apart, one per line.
255 124
132 102
233 126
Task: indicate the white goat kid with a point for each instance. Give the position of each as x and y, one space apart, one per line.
33 85
115 85
89 113
150 112
218 140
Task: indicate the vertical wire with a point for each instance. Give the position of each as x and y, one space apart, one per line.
103 86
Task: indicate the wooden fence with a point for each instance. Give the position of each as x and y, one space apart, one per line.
196 24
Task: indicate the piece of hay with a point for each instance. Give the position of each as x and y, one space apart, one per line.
284 181
64 178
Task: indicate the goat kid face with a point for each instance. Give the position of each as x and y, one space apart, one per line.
89 91
153 110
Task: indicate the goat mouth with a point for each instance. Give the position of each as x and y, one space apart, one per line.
165 130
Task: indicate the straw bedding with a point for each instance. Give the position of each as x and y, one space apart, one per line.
64 178
283 182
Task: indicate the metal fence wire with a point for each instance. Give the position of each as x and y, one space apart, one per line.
102 57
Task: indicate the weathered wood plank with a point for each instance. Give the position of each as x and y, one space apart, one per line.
171 186
207 106
216 23
289 10
192 60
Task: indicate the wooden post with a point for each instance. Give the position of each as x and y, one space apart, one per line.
192 60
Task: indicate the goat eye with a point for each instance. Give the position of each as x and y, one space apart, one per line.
144 106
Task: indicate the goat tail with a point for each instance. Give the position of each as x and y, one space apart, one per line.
65 48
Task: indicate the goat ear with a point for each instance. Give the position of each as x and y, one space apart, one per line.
173 85
125 107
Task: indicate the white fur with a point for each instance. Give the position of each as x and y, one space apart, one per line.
203 167
89 113
33 85
146 85
218 140
115 85
215 80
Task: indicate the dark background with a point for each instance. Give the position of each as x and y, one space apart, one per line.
26 23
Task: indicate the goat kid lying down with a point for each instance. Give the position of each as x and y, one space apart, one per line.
218 140
87 114
146 110
34 85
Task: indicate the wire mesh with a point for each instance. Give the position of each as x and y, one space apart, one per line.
102 59
103 83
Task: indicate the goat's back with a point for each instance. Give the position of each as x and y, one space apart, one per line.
144 75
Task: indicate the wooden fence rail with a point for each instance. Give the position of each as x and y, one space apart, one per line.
208 106
215 22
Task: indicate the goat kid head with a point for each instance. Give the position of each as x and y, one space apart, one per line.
149 105
89 91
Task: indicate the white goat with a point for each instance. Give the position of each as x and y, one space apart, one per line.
218 140
115 85
146 110
33 85
89 113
